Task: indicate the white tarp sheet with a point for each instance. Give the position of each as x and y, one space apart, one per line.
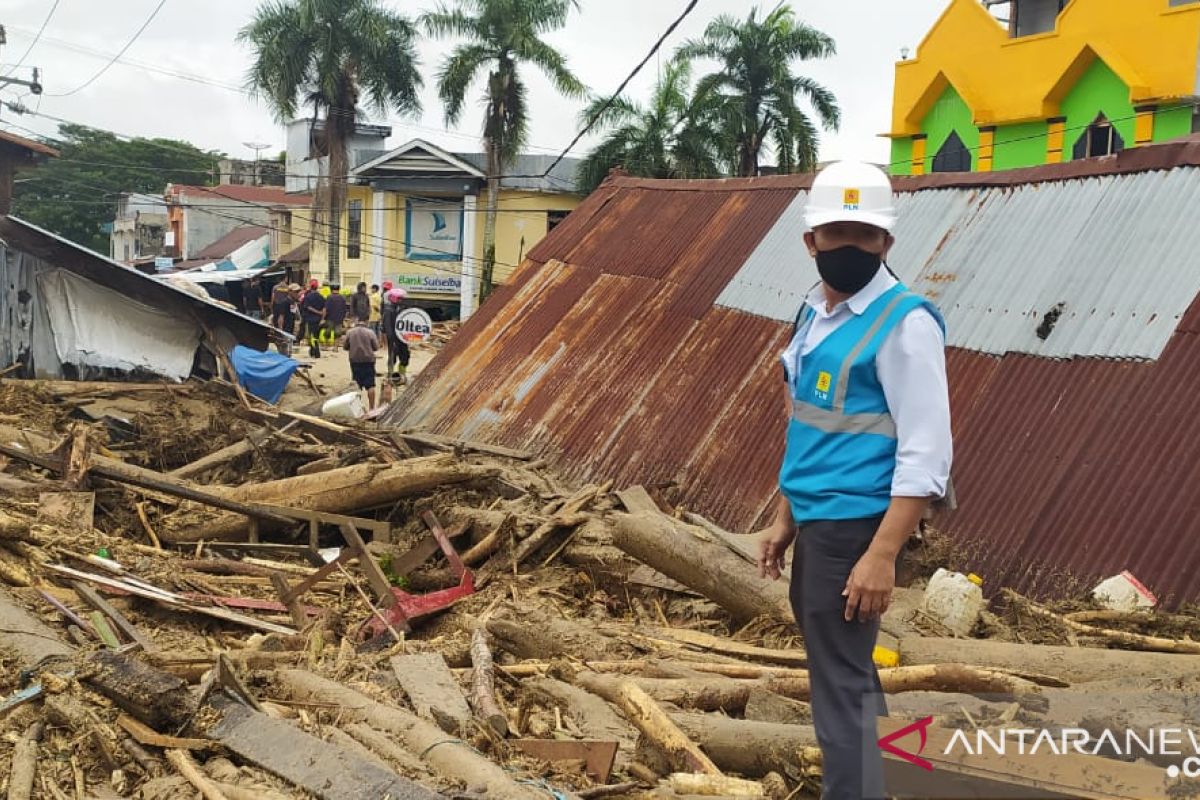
98 327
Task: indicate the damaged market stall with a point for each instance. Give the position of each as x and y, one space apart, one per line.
69 312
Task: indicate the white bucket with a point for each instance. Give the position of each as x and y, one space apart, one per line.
344 406
955 600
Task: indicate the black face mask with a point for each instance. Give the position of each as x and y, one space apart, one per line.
847 269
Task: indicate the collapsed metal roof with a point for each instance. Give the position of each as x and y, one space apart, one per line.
639 342
60 252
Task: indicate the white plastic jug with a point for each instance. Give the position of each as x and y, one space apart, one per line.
1123 593
955 600
344 406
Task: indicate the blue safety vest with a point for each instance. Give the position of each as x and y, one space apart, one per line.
841 439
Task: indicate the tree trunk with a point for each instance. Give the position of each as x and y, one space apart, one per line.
650 718
489 222
346 490
541 636
483 685
747 748
450 758
337 191
1074 664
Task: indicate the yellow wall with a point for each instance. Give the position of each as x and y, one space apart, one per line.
1152 46
283 240
523 215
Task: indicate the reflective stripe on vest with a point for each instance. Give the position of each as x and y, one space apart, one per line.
835 420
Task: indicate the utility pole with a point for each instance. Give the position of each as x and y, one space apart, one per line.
257 147
34 86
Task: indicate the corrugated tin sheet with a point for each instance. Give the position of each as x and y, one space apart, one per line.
608 355
1088 267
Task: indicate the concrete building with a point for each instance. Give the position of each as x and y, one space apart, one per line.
1000 84
140 228
200 215
305 162
246 172
415 216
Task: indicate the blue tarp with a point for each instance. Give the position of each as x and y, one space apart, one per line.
263 375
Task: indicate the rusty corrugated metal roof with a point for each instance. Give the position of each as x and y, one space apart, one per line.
609 354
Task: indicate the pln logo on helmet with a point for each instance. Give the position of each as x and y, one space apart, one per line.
850 199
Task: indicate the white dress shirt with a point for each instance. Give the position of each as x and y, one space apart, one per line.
911 367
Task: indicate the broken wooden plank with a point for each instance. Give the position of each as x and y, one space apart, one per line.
598 756
433 691
76 509
105 633
171 600
638 501
438 441
144 734
93 598
24 763
186 767
328 771
483 684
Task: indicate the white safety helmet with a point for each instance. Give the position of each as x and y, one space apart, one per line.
851 191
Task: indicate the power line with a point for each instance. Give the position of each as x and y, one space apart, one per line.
241 90
128 44
670 29
29 49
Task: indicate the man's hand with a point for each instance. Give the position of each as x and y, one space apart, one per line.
869 589
772 545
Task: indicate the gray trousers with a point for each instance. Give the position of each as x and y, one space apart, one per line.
846 694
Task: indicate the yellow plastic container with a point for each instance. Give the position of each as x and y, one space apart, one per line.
885 657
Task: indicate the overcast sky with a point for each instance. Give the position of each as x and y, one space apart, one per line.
602 43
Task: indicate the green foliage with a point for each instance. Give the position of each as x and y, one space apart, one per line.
76 195
754 97
332 57
385 565
670 137
499 37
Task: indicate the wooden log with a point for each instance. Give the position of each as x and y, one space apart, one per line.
328 771
925 678
646 714
483 685
182 761
350 489
150 695
542 636
1073 664
14 528
730 669
709 694
714 785
214 459
596 718
433 691
706 642
383 746
448 757
24 763
708 568
747 748
489 544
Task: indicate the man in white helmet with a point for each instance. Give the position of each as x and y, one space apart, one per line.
868 449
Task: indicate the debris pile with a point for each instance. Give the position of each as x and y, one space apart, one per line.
205 596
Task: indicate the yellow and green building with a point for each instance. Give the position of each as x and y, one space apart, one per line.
1001 84
415 216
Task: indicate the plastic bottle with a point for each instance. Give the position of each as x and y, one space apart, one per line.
955 600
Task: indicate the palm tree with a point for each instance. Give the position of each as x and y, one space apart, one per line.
500 35
755 94
328 54
670 138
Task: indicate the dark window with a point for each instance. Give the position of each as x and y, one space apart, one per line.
354 230
1030 17
1100 139
953 157
553 218
1195 119
1182 2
